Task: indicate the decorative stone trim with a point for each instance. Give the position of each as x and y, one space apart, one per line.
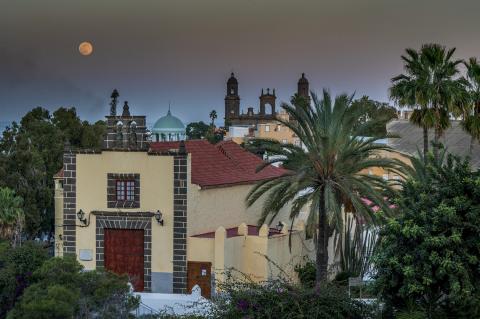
112 201
69 202
121 220
180 224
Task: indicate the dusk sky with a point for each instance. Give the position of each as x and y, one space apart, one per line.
183 51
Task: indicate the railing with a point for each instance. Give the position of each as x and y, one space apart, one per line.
143 310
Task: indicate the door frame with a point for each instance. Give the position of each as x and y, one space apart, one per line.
121 220
189 288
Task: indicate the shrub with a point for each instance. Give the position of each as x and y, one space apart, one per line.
282 299
16 268
62 289
306 273
429 256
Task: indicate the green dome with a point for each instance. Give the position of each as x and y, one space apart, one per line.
168 124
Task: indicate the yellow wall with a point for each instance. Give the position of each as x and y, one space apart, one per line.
259 257
209 209
156 193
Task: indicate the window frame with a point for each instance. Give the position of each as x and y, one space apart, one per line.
127 191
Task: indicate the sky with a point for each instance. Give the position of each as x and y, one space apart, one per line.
181 52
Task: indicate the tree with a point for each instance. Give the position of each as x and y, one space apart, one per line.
471 121
430 85
197 130
61 289
429 256
381 112
213 116
16 268
328 172
12 218
32 152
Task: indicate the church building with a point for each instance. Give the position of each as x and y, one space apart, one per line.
147 209
267 107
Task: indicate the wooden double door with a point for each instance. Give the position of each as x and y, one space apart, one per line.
200 273
123 254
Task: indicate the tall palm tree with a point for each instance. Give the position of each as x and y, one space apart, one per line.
471 121
430 82
329 171
11 215
404 91
213 116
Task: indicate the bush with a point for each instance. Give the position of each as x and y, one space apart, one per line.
281 299
62 289
429 256
307 273
16 268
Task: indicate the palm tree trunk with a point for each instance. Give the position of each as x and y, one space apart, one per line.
436 139
322 242
425 143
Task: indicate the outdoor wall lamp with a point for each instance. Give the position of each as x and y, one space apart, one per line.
81 217
159 217
279 226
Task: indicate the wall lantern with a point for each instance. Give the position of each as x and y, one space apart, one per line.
81 217
279 226
159 217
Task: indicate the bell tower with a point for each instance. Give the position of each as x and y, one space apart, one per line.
232 100
303 88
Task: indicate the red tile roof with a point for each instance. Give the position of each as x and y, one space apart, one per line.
233 232
223 164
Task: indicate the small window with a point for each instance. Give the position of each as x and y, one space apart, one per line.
125 190
284 141
267 128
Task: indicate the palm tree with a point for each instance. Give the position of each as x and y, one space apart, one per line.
429 82
330 171
11 215
471 121
213 117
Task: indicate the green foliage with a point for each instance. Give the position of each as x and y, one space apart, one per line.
431 82
281 299
197 130
381 112
11 215
79 294
16 268
56 301
213 117
32 152
355 245
306 273
200 131
328 171
430 255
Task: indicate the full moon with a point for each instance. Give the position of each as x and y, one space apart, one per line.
85 48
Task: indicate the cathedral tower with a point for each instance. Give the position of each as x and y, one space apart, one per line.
232 100
303 88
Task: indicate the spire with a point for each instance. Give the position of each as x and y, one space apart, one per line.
113 103
169 113
126 109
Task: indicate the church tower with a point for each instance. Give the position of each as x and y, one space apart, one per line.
303 88
232 100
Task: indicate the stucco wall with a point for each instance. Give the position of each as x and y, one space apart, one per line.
156 193
211 208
